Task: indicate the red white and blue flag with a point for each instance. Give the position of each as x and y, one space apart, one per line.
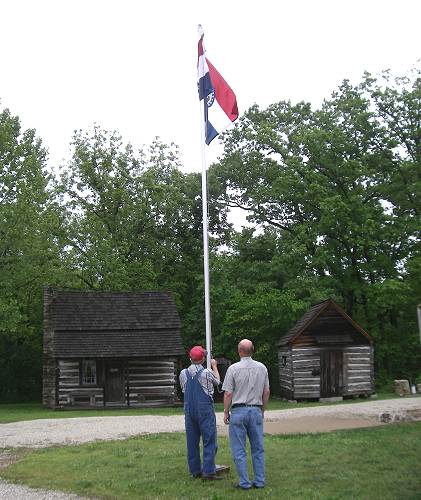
221 104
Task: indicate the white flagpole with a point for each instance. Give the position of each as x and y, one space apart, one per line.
206 244
205 232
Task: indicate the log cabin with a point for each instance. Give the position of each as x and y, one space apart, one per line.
326 354
106 349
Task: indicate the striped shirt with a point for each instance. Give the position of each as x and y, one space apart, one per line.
207 379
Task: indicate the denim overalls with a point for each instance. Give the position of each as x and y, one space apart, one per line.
200 421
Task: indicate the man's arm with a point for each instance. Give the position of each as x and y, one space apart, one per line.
182 380
227 406
265 399
214 366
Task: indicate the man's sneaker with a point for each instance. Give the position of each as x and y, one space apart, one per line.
241 487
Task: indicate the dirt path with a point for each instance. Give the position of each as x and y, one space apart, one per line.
300 425
337 417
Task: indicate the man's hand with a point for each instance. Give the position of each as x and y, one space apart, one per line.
214 366
265 399
227 406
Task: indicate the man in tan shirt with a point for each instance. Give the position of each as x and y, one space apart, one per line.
246 387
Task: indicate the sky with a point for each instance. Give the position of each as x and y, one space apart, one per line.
130 65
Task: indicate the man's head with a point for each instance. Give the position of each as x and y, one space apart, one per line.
245 348
197 354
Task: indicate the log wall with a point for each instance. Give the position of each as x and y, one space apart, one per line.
151 382
70 392
147 383
358 370
306 368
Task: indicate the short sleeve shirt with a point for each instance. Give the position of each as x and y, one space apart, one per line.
246 380
207 379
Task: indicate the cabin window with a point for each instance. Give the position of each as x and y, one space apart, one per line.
284 360
88 372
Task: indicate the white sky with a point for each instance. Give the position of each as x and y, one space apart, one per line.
130 65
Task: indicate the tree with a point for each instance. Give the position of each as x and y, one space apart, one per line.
134 221
29 255
325 180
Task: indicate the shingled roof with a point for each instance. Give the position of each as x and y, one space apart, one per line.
113 324
311 316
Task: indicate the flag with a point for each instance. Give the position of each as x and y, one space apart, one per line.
221 104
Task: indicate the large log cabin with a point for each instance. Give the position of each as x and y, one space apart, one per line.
325 355
104 349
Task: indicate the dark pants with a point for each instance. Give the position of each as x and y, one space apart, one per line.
200 422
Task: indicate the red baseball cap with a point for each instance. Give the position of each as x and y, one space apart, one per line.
197 353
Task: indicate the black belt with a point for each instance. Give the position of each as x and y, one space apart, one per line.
240 405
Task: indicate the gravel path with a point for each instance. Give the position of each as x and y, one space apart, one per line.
16 492
397 409
65 431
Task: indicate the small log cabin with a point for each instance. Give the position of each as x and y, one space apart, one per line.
104 349
325 354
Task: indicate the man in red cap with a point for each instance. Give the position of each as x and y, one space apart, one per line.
198 383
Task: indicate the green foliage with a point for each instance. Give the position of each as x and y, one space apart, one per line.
340 189
134 221
114 208
248 297
333 198
29 256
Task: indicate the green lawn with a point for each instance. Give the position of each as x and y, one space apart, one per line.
376 463
31 411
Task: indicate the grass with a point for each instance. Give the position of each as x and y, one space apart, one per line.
31 411
382 462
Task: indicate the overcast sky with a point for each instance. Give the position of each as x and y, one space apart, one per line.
130 66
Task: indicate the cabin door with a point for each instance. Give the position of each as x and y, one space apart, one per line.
330 373
114 382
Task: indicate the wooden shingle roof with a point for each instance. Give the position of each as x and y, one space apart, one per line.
107 324
312 315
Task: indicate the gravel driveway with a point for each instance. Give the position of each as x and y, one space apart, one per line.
63 431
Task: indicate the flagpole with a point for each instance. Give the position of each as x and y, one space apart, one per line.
205 239
222 98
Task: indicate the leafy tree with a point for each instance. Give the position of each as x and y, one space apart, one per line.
134 221
325 180
332 197
29 255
